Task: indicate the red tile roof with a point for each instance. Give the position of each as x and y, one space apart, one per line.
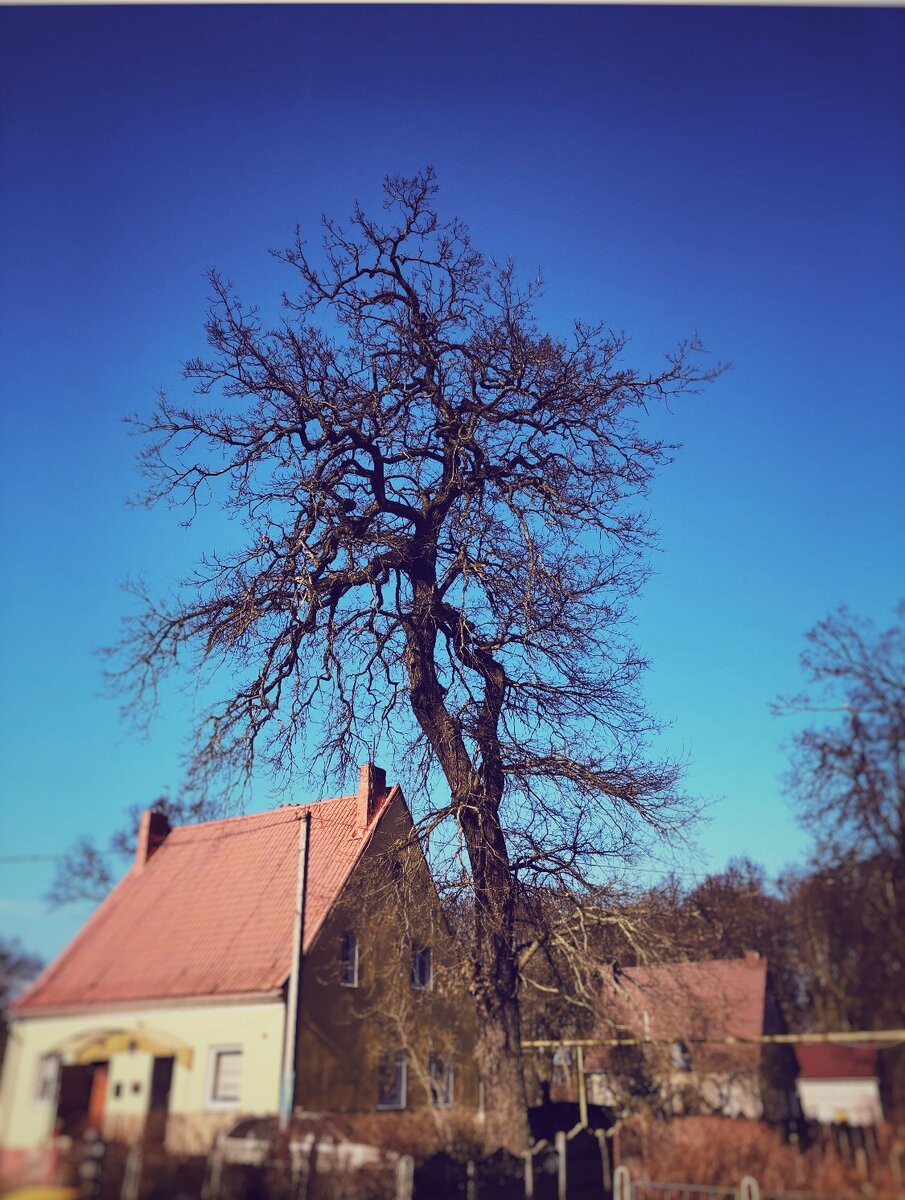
211 913
687 1001
829 1061
714 999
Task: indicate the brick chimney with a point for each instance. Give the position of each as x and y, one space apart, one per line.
152 832
372 787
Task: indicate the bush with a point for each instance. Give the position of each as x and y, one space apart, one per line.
718 1151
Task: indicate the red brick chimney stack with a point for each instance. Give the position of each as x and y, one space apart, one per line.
372 787
152 832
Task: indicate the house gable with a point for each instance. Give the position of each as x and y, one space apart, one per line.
692 1020
211 913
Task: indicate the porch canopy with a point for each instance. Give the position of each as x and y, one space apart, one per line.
101 1045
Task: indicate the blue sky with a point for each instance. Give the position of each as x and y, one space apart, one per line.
738 172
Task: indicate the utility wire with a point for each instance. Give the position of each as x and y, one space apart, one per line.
788 1039
7 859
665 872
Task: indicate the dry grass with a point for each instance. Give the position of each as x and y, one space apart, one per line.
719 1151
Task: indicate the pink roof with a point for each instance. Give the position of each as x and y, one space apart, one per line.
688 1001
714 999
830 1061
211 913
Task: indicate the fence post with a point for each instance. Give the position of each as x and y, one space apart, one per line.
605 1172
861 1168
895 1168
562 1164
529 1175
132 1173
91 1164
749 1189
211 1188
405 1177
622 1184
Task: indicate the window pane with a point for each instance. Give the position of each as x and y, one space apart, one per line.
391 1080
441 1081
348 973
46 1078
227 1075
680 1056
421 967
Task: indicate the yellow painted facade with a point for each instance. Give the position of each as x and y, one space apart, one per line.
26 1119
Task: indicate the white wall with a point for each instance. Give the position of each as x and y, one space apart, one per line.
257 1028
856 1101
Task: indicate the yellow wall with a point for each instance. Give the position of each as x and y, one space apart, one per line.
257 1028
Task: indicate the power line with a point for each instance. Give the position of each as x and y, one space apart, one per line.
837 1037
664 872
8 859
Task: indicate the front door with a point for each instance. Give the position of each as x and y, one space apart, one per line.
158 1106
83 1092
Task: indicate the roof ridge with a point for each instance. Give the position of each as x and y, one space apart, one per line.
700 962
265 812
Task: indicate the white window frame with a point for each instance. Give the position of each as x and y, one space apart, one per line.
349 939
213 1057
441 1072
47 1080
418 957
400 1062
680 1056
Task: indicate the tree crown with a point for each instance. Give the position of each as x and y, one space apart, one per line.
441 506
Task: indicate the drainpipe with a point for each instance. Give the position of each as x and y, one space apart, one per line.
294 992
582 1090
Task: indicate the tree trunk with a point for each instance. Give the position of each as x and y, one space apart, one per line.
495 978
494 965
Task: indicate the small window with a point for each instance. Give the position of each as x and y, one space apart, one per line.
680 1056
391 1080
225 1076
421 968
348 960
440 1070
46 1079
562 1064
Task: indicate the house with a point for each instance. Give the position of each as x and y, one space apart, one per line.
296 958
839 1084
691 1020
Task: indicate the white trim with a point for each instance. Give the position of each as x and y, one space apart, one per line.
149 1004
399 1059
448 1077
211 1102
47 1070
418 954
353 982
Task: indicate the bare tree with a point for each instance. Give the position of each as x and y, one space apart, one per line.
17 968
440 506
88 872
848 773
848 779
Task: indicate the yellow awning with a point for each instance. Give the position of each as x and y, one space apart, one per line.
101 1045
